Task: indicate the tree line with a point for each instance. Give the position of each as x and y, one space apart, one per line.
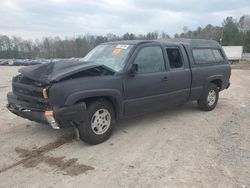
231 32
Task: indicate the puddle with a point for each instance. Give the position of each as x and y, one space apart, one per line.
31 158
67 166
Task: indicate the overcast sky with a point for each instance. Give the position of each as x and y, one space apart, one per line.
37 18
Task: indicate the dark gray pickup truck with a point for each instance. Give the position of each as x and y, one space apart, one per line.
117 80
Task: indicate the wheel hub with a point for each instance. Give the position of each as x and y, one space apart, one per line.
211 98
100 121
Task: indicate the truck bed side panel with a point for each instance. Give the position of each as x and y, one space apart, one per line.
202 74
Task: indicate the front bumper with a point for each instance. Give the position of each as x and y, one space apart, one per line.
61 117
32 115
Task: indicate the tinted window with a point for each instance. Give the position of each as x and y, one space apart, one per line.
217 54
207 55
174 57
150 59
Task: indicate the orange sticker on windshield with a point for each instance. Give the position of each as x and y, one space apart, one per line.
116 52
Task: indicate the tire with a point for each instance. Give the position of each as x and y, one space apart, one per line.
97 128
209 99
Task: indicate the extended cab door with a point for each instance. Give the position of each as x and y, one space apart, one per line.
179 77
147 89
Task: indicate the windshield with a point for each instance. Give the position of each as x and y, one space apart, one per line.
110 55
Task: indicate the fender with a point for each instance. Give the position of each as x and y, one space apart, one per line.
114 94
214 77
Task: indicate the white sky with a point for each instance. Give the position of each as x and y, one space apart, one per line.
38 18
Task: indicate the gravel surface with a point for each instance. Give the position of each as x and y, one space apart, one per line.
178 147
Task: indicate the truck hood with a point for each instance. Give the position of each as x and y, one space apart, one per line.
56 71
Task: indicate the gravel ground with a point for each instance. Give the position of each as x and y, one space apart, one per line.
179 147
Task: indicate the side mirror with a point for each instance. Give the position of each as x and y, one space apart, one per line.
134 69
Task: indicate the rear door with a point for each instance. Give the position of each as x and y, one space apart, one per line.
179 77
147 89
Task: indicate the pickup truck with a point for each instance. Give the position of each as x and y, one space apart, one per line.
117 80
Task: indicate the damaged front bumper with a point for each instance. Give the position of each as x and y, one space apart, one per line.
55 117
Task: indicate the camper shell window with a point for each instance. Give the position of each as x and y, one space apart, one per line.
207 55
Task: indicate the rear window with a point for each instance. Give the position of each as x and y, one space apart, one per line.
207 56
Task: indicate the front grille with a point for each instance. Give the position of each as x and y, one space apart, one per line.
29 92
25 80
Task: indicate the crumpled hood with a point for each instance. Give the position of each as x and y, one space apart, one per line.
56 71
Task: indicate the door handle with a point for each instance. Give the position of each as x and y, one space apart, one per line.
165 78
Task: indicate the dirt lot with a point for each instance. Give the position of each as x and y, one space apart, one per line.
181 147
245 65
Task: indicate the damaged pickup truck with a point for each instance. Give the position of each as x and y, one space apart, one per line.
117 80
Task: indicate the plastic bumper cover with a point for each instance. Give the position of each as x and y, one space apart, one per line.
62 117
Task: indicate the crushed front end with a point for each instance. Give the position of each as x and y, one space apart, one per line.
30 99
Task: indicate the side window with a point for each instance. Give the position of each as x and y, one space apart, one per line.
207 56
203 56
218 55
150 59
174 57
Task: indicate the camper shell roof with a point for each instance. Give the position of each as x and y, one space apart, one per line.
192 43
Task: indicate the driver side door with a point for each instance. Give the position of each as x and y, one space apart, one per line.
147 89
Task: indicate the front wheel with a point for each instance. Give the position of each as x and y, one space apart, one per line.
209 99
100 123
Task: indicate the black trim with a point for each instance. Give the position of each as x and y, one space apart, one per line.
37 116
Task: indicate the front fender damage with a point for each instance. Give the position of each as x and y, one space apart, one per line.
71 115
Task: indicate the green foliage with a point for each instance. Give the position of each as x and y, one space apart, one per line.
230 32
246 42
237 33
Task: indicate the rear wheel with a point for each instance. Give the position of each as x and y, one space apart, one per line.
209 99
99 125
